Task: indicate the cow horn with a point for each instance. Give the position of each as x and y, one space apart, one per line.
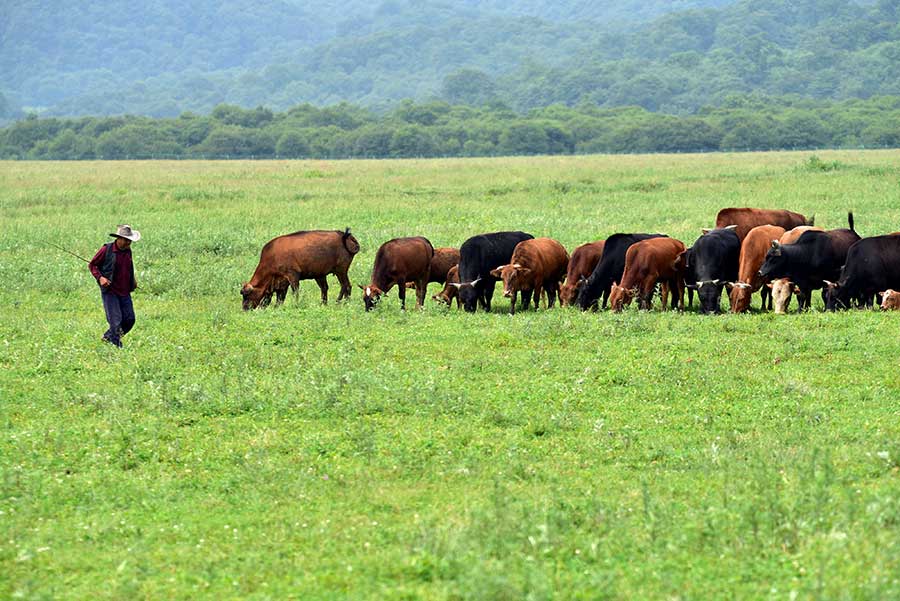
715 282
455 284
731 227
776 244
475 281
829 284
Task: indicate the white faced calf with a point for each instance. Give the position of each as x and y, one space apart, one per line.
890 300
782 290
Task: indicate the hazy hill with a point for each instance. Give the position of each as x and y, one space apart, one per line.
164 57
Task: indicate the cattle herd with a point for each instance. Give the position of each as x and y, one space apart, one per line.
776 252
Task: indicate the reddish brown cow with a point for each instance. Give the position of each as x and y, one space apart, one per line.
747 218
537 264
286 260
646 263
890 300
450 291
581 265
444 258
399 261
791 236
753 253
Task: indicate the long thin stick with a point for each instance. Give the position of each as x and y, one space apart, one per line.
69 252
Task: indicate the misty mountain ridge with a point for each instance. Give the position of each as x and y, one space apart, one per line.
162 58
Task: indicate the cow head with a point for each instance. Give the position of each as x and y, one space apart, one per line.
513 277
775 263
710 294
568 292
254 296
739 296
836 297
890 300
619 297
371 295
468 293
782 290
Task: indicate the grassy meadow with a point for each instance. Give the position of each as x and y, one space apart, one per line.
320 452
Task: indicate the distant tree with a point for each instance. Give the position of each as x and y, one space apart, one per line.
412 141
469 86
524 138
138 141
292 145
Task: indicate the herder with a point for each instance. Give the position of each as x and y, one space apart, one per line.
114 271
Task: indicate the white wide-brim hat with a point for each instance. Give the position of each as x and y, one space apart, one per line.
125 231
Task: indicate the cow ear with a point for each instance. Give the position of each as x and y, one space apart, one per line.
769 284
360 286
796 289
497 272
705 230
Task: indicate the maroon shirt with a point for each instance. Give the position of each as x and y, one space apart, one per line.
123 270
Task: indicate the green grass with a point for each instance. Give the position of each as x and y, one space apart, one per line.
314 452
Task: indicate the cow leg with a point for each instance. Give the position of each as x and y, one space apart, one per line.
765 293
537 297
512 301
690 292
421 291
280 294
487 294
401 292
664 295
605 297
345 285
323 288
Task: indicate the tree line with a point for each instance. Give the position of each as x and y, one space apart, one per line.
439 129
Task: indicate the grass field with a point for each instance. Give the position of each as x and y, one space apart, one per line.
312 452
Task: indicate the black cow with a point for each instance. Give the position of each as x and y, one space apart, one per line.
873 266
711 262
609 269
477 257
812 259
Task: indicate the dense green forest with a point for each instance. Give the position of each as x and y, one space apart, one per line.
434 129
161 58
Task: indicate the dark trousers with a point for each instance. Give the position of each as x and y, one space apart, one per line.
119 315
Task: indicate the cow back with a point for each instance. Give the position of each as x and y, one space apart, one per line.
480 254
746 218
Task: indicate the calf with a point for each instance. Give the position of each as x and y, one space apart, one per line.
646 263
890 300
535 265
286 260
814 258
582 262
748 218
609 269
753 252
477 257
450 291
781 290
872 265
713 260
399 261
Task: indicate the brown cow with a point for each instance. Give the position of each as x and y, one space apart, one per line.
791 236
536 264
646 263
890 300
444 259
753 253
782 291
399 261
747 218
450 291
286 260
581 265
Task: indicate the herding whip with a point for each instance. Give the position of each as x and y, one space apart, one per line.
69 252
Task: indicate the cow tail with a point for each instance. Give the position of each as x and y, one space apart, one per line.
350 242
850 220
812 220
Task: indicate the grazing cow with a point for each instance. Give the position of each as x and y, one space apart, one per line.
646 263
872 265
535 265
399 261
753 252
713 260
444 258
581 264
747 218
890 300
477 257
609 269
781 289
450 291
286 260
791 236
814 258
